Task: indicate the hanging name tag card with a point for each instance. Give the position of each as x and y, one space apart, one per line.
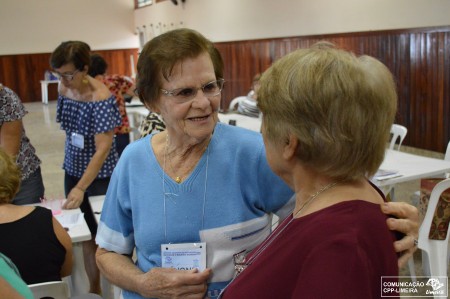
77 140
185 256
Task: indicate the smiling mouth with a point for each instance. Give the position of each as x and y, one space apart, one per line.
198 118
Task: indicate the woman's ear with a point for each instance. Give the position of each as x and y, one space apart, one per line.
290 147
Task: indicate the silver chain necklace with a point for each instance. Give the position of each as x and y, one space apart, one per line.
241 266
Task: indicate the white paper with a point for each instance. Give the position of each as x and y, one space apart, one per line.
384 174
70 220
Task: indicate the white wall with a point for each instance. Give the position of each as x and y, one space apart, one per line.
228 20
39 26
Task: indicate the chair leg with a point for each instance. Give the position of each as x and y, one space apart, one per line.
425 264
392 194
412 269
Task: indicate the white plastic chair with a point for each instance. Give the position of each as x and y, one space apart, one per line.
416 196
398 133
52 289
447 153
235 102
56 290
436 250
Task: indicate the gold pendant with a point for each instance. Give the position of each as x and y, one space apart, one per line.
178 179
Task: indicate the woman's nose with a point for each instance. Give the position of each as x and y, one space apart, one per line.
201 100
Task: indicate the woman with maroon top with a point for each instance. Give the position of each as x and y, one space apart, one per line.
324 138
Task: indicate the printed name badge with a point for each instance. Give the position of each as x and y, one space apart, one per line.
184 256
77 140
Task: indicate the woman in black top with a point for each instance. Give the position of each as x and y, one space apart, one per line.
30 236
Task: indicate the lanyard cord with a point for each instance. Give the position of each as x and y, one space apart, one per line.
164 194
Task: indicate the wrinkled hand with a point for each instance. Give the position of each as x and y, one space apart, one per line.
171 283
407 223
74 199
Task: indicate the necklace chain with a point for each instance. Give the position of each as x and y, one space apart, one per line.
178 178
239 267
314 196
164 190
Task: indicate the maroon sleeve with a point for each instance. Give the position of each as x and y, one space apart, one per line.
337 269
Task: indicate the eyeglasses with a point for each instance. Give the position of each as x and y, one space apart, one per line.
182 95
66 76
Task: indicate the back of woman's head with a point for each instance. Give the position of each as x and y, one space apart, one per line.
340 108
162 53
98 65
76 52
10 174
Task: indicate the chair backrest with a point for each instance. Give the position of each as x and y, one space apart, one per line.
235 102
398 132
436 250
51 289
447 152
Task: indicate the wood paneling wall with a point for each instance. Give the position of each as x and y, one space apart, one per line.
22 73
418 58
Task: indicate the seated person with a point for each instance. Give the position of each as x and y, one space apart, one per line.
248 106
11 284
31 237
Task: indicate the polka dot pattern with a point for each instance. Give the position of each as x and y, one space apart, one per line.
87 119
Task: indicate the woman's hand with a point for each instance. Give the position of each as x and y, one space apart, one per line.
172 283
74 199
103 142
407 223
157 283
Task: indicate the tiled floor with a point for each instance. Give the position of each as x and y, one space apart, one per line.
46 136
48 140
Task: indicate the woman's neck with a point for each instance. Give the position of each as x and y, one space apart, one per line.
82 92
185 149
178 163
10 212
